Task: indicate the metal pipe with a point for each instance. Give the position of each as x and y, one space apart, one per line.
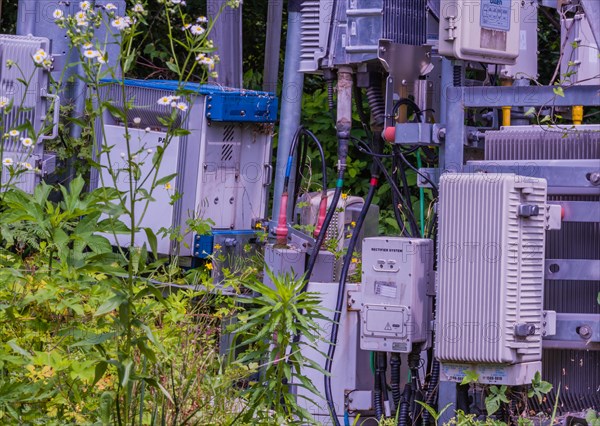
227 37
272 46
506 109
577 114
291 103
344 114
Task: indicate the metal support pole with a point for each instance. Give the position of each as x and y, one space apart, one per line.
344 114
272 45
291 103
227 37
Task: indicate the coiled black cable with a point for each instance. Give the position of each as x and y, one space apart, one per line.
377 394
384 390
457 76
404 412
395 379
377 104
431 395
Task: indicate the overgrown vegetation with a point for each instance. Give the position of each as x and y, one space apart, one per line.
89 333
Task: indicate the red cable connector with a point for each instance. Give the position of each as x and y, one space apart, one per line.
389 134
322 214
282 230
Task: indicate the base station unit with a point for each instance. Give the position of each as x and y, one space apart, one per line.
220 167
24 161
397 276
489 316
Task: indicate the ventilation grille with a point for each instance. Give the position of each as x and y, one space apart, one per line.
542 144
228 133
578 372
404 21
29 104
145 106
25 180
314 30
227 152
490 269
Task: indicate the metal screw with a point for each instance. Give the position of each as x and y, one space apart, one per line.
595 178
585 331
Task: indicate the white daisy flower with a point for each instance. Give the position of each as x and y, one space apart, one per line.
84 5
102 58
58 14
122 155
14 133
202 20
27 142
87 45
81 16
176 1
26 166
137 120
39 56
4 101
90 53
174 104
121 23
186 27
138 8
197 30
165 100
206 60
8 162
181 106
110 6
82 23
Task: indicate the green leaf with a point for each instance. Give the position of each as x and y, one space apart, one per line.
110 305
15 347
429 409
165 179
151 236
99 371
127 367
492 405
173 67
95 339
471 376
559 91
154 383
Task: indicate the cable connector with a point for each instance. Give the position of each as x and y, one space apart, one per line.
322 214
281 231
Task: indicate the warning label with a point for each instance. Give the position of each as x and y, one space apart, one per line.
385 289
